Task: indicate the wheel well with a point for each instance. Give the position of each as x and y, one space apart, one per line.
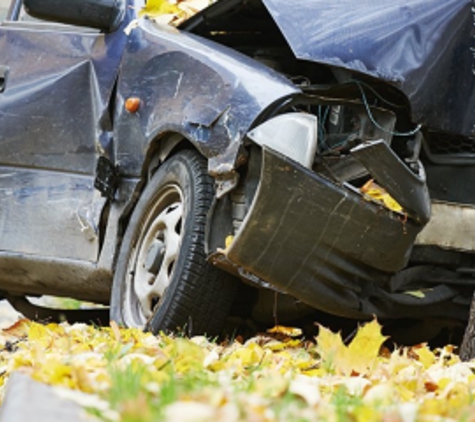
161 148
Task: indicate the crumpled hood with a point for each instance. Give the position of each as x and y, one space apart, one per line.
424 47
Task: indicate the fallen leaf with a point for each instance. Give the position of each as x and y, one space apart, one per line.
306 387
359 356
156 8
364 348
172 12
228 241
287 331
18 329
330 347
375 192
416 293
115 330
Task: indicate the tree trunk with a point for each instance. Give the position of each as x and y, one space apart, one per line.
467 349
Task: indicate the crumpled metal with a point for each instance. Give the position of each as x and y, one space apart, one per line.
423 47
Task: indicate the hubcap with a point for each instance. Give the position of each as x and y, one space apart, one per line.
153 257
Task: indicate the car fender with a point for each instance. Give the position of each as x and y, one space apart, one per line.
208 93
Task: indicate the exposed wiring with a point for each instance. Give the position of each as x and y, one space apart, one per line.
321 126
370 115
376 93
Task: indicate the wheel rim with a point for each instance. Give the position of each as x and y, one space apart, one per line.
153 257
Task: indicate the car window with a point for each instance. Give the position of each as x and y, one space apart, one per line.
4 5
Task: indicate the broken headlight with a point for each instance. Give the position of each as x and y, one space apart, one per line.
294 135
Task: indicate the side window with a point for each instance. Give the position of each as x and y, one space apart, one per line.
4 5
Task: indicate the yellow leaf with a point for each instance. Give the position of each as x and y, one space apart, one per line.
282 345
40 334
359 356
379 194
37 332
425 356
314 372
382 394
458 395
115 330
248 355
272 385
188 356
55 372
364 348
172 12
330 347
228 241
18 329
288 331
416 293
155 8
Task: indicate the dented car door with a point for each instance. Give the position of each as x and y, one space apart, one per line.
54 123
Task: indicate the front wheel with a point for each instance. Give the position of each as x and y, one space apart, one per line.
162 280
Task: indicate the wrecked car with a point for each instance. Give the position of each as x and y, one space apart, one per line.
319 153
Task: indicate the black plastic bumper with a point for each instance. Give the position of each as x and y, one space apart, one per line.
322 243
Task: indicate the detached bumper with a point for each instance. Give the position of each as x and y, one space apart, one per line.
320 242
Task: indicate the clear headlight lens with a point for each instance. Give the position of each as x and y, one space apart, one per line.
292 134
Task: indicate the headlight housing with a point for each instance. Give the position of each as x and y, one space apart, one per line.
294 135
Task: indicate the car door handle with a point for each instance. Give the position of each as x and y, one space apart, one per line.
3 77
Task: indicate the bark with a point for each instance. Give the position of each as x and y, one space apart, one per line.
467 349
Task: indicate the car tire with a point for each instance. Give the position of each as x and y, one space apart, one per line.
162 279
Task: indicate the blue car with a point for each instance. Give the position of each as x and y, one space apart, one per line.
287 157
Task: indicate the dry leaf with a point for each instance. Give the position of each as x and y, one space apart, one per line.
272 377
372 190
287 331
172 12
359 356
416 293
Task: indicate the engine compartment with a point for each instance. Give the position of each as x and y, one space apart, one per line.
352 110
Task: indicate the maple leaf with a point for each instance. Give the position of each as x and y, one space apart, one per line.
364 348
359 356
330 347
130 375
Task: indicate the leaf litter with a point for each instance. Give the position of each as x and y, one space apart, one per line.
127 375
173 12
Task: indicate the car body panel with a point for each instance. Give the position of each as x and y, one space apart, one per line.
208 93
54 122
299 241
320 259
22 274
63 209
424 47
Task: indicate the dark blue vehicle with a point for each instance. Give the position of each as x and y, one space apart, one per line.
161 169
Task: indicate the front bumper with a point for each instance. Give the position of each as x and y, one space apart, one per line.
319 242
